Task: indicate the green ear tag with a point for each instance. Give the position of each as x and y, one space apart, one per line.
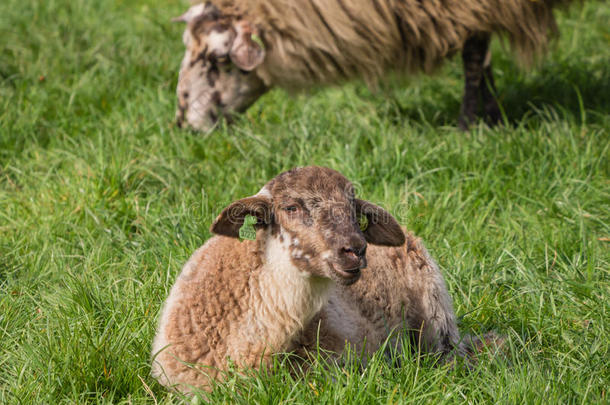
247 230
257 40
363 221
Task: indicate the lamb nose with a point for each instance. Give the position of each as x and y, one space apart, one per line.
357 252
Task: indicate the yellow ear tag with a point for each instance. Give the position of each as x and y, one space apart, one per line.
363 222
257 40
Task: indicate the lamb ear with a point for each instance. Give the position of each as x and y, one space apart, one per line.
232 218
248 50
382 228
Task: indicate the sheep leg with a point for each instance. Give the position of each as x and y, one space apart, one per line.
478 81
493 116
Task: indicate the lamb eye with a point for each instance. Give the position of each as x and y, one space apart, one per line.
291 208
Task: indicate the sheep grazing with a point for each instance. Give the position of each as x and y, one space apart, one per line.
324 264
238 49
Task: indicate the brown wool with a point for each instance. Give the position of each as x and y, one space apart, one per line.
246 301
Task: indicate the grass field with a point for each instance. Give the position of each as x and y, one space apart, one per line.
102 199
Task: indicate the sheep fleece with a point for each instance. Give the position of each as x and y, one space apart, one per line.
330 40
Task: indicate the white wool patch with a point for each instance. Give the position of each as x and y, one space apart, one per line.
219 42
296 291
278 257
284 299
199 104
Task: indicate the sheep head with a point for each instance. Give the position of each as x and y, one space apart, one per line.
314 214
217 75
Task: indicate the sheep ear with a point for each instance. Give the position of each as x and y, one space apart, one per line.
248 50
382 228
190 14
196 11
232 218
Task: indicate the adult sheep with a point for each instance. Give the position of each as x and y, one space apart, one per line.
312 272
238 49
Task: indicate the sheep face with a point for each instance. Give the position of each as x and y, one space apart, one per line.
216 75
313 213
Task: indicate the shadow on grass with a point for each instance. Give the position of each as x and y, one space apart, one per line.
565 87
575 91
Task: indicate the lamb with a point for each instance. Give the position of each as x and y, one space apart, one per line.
324 265
236 50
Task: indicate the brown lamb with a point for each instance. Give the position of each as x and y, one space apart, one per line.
317 269
238 49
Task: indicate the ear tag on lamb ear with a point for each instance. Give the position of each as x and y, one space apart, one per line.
363 222
247 230
257 40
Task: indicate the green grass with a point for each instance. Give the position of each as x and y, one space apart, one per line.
102 199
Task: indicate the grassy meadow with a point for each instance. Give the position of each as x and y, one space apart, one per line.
103 198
